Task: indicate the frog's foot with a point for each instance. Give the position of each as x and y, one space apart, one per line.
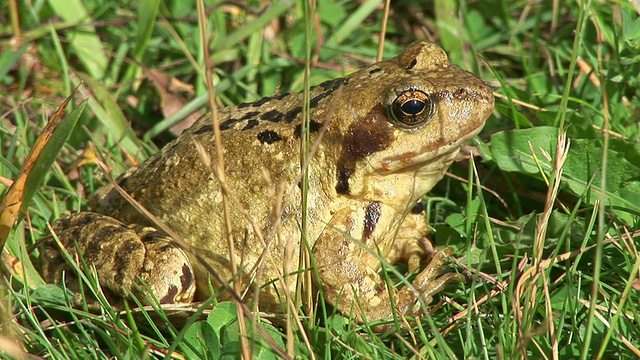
428 282
126 259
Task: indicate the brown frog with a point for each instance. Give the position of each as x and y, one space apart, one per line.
384 136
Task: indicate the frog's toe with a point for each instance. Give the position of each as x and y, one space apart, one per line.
166 270
428 282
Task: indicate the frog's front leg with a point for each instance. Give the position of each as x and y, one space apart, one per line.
121 256
349 272
412 245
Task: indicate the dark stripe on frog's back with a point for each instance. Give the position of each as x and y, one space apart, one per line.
250 118
270 127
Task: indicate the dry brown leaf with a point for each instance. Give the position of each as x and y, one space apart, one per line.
170 100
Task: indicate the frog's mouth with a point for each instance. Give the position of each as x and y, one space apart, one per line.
430 158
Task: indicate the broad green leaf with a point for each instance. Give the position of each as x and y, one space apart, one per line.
585 161
512 151
203 339
222 315
630 27
219 336
332 13
260 349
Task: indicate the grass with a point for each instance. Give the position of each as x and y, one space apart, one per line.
546 228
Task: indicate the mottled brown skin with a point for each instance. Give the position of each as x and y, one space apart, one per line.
369 170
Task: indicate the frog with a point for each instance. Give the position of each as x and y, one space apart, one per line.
379 139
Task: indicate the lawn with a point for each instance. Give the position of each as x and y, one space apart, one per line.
543 217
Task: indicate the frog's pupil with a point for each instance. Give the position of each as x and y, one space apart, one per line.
412 107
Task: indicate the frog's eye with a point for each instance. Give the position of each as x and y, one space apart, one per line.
412 109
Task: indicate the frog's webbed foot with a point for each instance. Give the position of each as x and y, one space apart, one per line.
413 247
123 258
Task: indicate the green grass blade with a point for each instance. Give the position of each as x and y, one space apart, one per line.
106 108
85 42
353 22
147 14
237 36
9 58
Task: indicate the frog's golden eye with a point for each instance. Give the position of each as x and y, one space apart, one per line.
412 109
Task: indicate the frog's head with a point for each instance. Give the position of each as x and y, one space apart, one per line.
407 119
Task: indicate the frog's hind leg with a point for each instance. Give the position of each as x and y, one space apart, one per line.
125 259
